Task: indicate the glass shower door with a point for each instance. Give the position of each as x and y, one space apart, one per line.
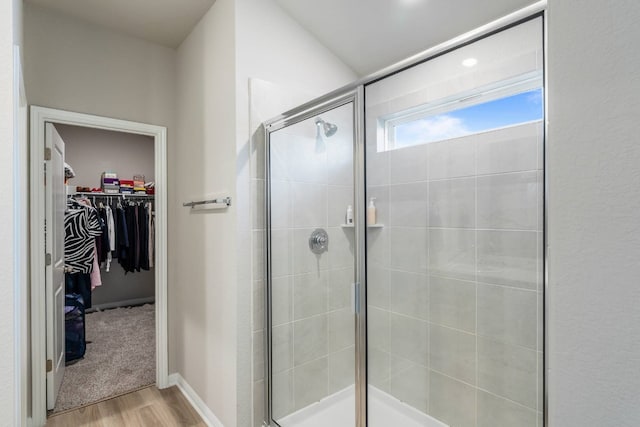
311 270
454 264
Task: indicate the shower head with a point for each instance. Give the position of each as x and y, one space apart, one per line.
329 129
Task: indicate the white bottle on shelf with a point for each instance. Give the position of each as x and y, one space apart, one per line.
371 212
349 216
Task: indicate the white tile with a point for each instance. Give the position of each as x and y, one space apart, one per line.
341 247
309 205
408 164
378 286
409 338
310 339
511 149
408 249
281 253
452 303
258 254
311 382
342 369
340 158
341 329
407 205
378 247
339 199
451 401
281 300
508 315
281 205
508 201
508 370
495 411
452 203
278 156
340 281
282 347
283 398
310 294
409 293
508 258
307 160
378 329
258 204
258 403
258 355
452 158
258 303
411 385
452 253
377 172
378 368
453 353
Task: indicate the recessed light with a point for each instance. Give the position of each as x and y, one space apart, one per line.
470 62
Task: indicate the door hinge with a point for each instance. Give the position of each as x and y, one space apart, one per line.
47 259
47 153
49 365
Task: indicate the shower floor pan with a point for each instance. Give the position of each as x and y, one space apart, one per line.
338 410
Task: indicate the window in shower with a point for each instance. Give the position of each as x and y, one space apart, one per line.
485 109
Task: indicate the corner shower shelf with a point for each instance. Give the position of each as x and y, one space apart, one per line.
368 226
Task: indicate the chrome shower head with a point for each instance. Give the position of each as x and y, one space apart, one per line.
329 129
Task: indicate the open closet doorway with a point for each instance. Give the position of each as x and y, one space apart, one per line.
98 292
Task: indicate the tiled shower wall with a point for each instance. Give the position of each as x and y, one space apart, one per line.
454 278
313 325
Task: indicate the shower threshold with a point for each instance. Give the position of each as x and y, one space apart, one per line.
337 410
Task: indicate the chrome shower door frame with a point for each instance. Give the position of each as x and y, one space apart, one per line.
354 92
354 96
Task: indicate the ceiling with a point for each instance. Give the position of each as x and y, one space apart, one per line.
166 22
369 35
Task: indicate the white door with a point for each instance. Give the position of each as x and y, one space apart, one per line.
55 202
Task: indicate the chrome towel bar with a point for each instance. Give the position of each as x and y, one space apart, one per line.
226 201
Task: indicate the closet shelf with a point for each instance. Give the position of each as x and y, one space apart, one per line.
124 195
368 226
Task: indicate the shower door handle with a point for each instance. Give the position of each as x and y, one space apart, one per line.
355 298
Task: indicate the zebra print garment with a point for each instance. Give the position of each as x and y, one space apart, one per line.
81 226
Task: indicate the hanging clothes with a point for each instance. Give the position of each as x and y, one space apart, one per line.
111 230
81 227
152 236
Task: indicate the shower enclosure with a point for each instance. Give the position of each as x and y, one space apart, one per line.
431 315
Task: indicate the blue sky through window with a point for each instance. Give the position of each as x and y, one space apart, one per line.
511 110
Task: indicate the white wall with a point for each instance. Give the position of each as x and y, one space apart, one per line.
594 213
203 244
77 66
274 48
10 34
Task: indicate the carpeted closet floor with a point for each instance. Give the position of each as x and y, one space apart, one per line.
120 358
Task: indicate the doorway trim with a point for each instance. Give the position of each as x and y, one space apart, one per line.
40 116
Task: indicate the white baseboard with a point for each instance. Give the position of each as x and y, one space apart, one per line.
198 404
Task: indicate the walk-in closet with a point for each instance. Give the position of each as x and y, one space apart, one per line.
109 254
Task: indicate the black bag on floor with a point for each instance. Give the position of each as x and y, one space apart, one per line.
75 343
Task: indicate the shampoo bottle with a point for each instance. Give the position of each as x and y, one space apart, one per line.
371 212
349 217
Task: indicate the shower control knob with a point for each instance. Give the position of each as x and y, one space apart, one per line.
319 241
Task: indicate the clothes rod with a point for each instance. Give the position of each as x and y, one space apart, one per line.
123 195
222 201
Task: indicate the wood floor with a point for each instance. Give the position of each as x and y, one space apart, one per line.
146 407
